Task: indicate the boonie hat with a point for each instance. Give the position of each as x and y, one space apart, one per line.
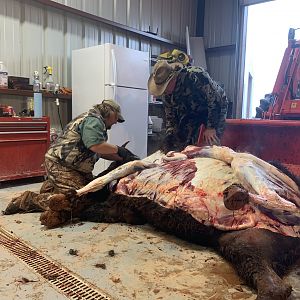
162 74
116 107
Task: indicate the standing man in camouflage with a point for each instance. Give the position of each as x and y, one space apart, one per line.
190 98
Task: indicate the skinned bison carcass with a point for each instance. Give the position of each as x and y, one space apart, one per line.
258 230
236 203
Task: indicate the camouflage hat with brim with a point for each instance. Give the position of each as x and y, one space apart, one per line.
116 107
162 74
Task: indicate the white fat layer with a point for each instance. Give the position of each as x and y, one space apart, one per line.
155 158
122 171
212 173
220 168
255 162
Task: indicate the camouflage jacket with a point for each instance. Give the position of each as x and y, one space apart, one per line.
197 99
69 149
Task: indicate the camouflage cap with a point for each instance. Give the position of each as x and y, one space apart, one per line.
116 107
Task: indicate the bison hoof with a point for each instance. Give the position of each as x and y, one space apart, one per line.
52 219
278 292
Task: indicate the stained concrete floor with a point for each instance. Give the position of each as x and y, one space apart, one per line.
147 264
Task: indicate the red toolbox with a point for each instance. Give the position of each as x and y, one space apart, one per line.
23 144
268 139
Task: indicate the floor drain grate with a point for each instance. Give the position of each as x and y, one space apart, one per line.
69 284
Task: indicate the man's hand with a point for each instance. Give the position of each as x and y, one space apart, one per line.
210 137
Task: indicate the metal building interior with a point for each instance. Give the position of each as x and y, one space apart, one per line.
104 260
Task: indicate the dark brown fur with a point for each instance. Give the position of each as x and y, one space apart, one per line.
259 256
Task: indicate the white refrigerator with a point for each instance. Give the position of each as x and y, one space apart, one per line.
112 72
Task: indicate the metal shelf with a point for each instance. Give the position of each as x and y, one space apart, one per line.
27 93
117 26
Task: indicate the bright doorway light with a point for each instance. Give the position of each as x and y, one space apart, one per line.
267 37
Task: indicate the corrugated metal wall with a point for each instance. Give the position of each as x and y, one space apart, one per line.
33 35
220 32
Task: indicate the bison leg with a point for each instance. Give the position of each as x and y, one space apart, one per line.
259 256
235 197
117 209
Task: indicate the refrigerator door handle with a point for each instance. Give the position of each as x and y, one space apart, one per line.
114 66
114 87
114 72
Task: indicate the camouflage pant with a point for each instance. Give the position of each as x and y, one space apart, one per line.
60 180
185 132
63 178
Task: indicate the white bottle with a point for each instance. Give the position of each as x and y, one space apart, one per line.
49 83
36 82
3 76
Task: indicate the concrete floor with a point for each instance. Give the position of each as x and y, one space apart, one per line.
147 264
